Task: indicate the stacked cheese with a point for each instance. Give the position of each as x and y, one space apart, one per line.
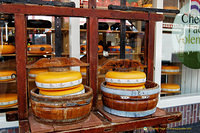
60 83
126 80
7 100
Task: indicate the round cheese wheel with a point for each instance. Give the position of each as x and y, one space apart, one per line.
83 49
7 75
7 49
147 6
84 69
34 72
116 49
73 91
51 80
172 88
126 87
133 78
171 7
8 100
39 49
170 69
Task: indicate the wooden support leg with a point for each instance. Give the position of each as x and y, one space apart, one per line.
21 57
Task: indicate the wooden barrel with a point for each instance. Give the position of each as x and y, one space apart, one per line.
130 103
61 109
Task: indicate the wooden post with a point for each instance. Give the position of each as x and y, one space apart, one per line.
150 48
21 58
92 52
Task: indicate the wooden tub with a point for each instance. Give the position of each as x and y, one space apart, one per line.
61 109
130 103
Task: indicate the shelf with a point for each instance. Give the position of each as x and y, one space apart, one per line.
27 54
6 82
125 53
111 31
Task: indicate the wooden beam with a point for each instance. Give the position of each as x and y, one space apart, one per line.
21 57
150 54
76 12
92 56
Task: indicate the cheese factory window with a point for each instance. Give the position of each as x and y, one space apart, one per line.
180 51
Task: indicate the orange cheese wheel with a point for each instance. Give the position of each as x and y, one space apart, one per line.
72 91
170 69
39 49
7 49
133 78
116 49
171 88
147 6
55 80
7 75
8 100
83 49
34 72
171 7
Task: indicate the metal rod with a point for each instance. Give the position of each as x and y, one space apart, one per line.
58 37
122 33
126 8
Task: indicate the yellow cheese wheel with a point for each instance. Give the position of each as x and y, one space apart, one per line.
7 75
73 91
56 89
58 79
172 88
170 69
39 49
8 100
34 72
133 78
7 49
126 87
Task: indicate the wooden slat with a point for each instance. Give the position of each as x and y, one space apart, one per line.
77 12
92 55
24 126
150 55
21 57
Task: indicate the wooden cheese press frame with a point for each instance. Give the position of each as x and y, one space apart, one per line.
92 14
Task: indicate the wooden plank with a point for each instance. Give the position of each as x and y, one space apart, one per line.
150 55
37 127
24 126
92 55
21 57
77 12
91 121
